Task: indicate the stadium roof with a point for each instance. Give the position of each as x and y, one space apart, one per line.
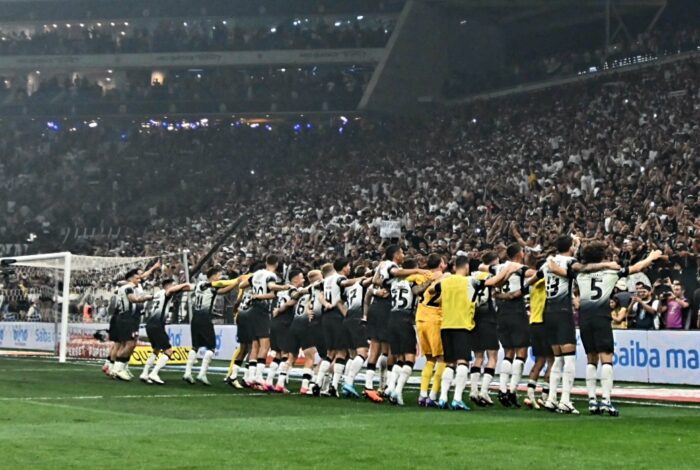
550 12
552 4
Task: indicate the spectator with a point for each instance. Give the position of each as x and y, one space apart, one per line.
196 34
618 314
644 309
313 190
674 308
34 313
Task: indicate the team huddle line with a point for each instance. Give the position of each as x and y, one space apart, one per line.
376 319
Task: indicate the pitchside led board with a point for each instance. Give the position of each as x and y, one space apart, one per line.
662 357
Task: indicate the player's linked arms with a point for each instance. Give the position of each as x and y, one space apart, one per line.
503 276
516 294
646 262
351 282
401 272
419 289
383 293
178 288
135 299
594 267
268 296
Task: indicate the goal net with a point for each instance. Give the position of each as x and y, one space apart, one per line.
57 303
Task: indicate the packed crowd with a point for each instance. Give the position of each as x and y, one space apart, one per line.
88 10
203 91
196 35
531 66
611 159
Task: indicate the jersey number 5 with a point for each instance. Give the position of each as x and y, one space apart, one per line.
400 299
596 291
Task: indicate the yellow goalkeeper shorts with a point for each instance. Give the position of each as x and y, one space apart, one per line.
429 337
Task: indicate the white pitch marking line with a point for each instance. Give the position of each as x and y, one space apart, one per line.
657 403
100 397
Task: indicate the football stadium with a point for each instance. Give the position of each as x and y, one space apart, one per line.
358 233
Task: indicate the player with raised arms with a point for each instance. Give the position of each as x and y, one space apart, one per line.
281 336
596 286
155 329
541 347
245 340
127 328
402 332
513 326
201 325
264 284
335 281
485 340
428 321
457 294
355 324
129 324
378 314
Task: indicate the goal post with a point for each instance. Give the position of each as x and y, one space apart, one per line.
68 280
54 261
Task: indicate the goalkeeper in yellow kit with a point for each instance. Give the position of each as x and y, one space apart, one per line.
428 320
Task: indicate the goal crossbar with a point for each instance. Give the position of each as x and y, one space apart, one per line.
68 262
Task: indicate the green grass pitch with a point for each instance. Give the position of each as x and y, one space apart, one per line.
71 416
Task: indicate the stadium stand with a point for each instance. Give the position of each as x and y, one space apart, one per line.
622 167
194 35
40 10
434 204
210 90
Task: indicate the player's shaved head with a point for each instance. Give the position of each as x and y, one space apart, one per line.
391 251
257 266
410 263
564 243
340 263
213 272
461 262
513 250
489 257
434 261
